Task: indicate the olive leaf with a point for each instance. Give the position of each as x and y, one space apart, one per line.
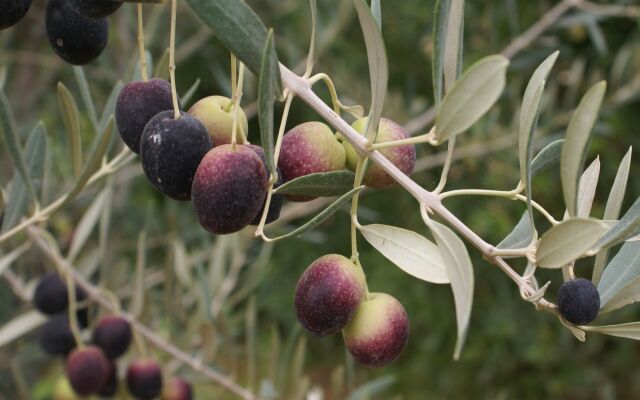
78 71
529 114
35 152
378 66
376 11
576 143
13 143
568 241
627 227
441 21
547 157
188 95
321 184
137 302
453 44
629 330
587 188
20 326
521 235
266 94
239 29
411 252
460 272
323 215
110 106
373 388
620 281
471 97
98 150
85 226
447 33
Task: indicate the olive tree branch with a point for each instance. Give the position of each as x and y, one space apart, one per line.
428 201
41 215
93 292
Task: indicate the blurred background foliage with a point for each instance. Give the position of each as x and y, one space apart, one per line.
230 299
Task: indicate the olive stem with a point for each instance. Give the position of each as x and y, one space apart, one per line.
427 200
143 57
354 209
447 165
172 61
237 97
276 155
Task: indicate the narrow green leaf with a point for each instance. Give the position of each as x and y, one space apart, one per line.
137 302
110 105
86 95
376 12
266 98
453 44
373 388
162 67
612 210
98 150
626 228
629 330
460 272
378 66
85 226
13 143
577 140
320 218
521 235
321 184
238 28
620 282
411 252
568 241
471 97
529 114
587 188
20 326
7 259
71 118
188 95
547 157
441 20
35 153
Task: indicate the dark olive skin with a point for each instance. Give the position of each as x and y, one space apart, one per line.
144 379
110 387
75 38
113 335
96 8
229 188
171 150
55 336
12 12
276 200
328 294
51 297
578 301
137 103
87 370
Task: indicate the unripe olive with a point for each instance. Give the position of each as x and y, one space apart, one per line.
378 331
216 114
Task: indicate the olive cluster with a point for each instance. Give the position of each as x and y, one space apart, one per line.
93 369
